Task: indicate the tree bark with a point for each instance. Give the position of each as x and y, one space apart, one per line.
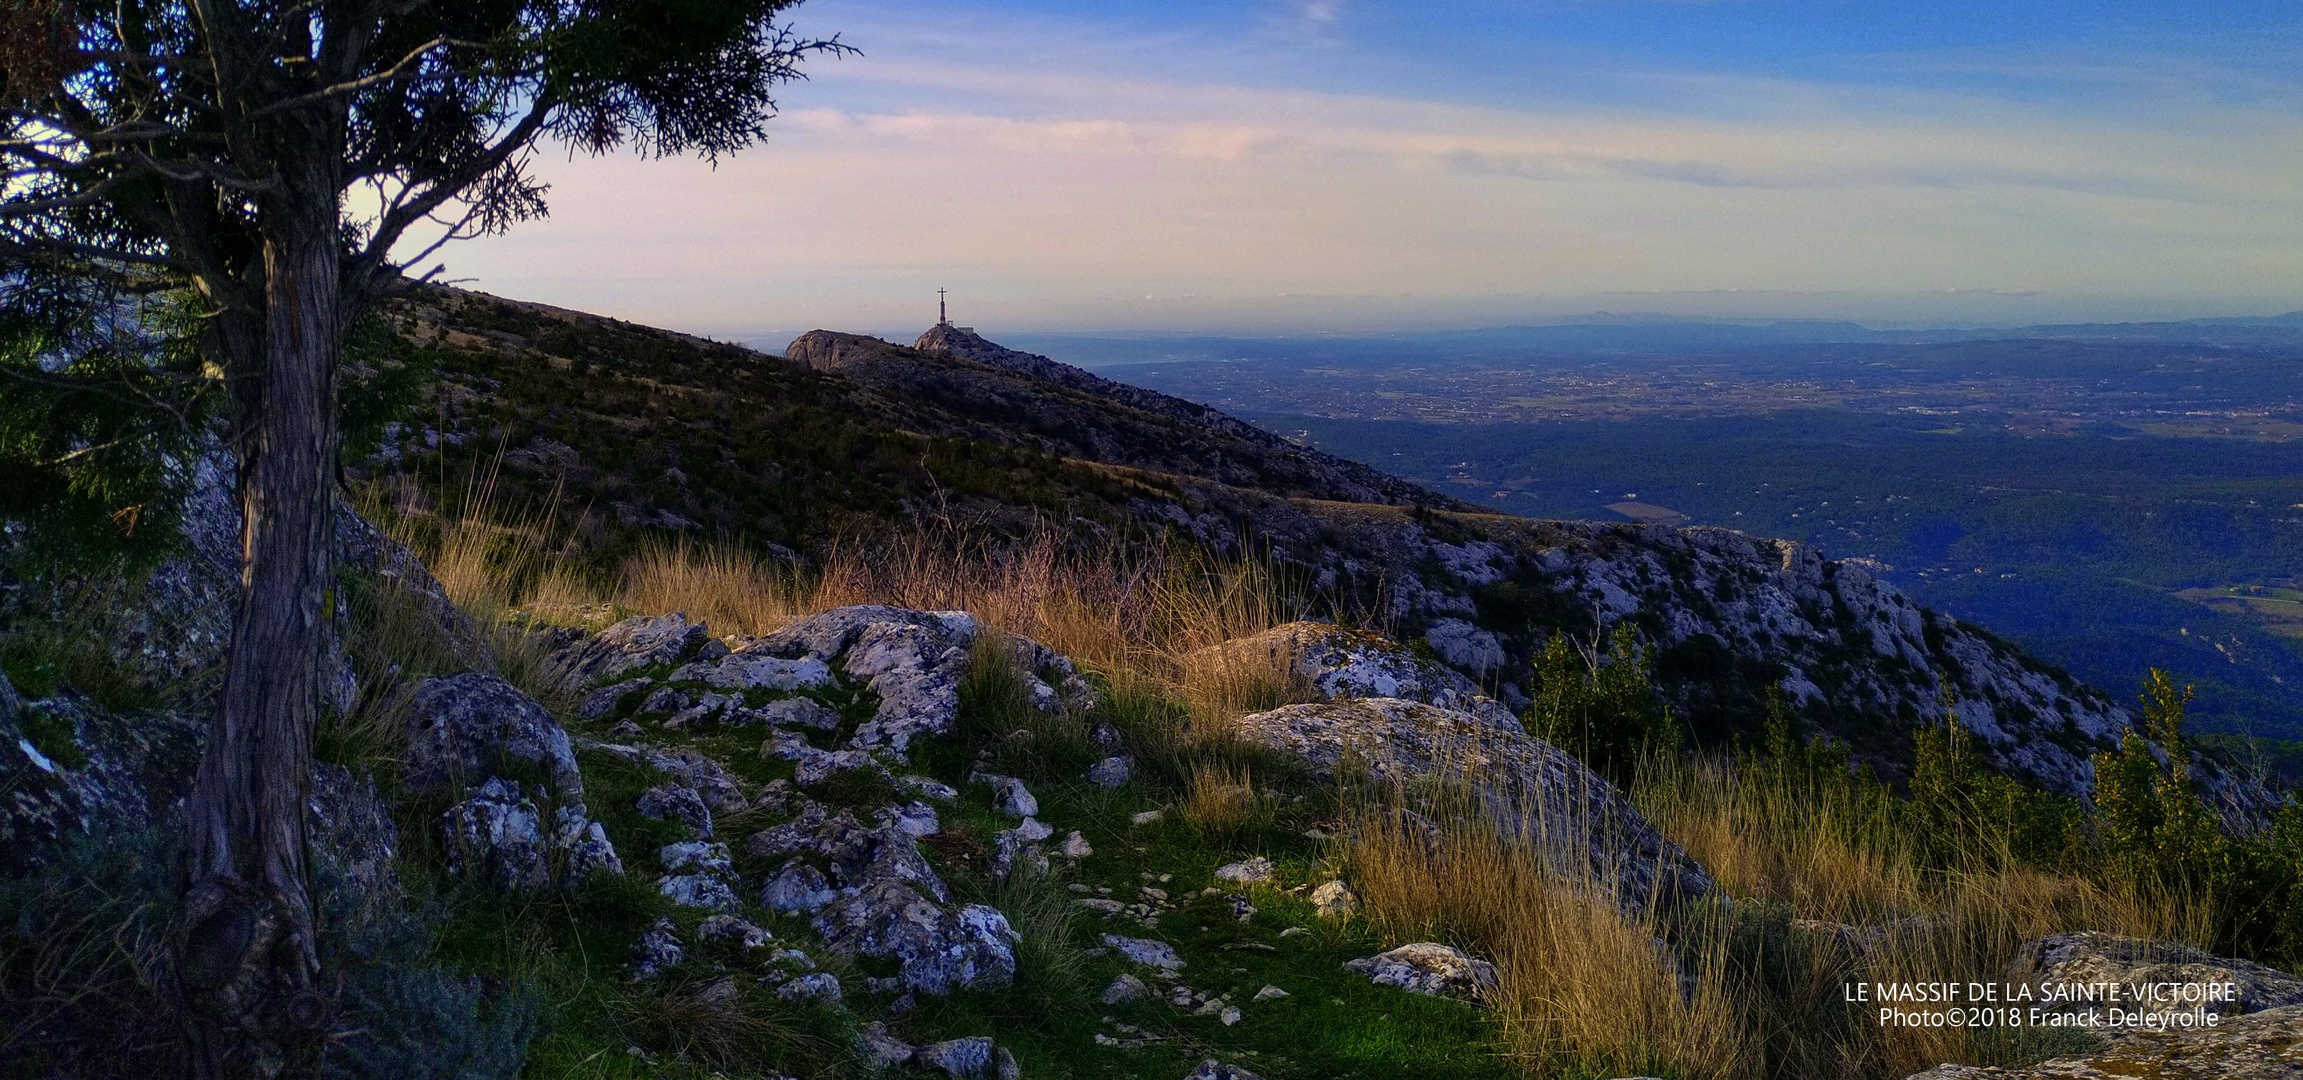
248 958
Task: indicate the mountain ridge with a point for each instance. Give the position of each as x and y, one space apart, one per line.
1053 446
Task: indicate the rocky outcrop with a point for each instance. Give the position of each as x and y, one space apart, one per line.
1427 967
520 822
1340 663
632 644
69 766
2089 957
2257 1035
1530 788
2265 1045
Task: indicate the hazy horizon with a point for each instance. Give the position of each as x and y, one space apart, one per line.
1340 166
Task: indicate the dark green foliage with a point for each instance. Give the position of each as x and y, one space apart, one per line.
1600 702
385 379
1960 809
2158 836
101 402
407 1016
2153 823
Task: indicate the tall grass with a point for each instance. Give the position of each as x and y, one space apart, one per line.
1582 985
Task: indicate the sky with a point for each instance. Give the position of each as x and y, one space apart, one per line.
1343 166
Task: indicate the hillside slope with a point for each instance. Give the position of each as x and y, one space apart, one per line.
655 434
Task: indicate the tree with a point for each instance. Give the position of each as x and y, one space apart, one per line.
271 160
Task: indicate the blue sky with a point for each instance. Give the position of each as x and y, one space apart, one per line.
1350 165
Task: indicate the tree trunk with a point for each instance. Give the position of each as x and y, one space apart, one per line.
248 958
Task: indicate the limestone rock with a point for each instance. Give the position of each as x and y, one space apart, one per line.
1112 773
671 802
937 950
635 643
2266 1045
913 660
756 672
1211 1069
1145 952
99 770
1428 967
1255 871
2092 957
1010 797
792 712
797 887
657 951
732 929
476 725
821 986
1532 789
1343 664
879 1050
1125 989
698 875
961 1059
1334 901
496 836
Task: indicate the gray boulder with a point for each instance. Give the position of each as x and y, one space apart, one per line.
473 726
1532 789
2254 1046
2092 957
1255 871
913 660
657 951
729 928
1334 901
98 770
791 712
937 950
1145 952
496 836
1112 773
698 875
757 672
1428 967
671 802
797 887
1010 797
820 986
1342 664
635 643
962 1059
1125 989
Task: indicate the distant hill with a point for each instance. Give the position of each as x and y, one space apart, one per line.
1604 333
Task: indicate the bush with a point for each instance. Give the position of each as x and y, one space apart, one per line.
1600 702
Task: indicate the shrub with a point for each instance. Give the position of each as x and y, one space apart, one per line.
1600 703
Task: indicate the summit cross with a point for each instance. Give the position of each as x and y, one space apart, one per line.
942 317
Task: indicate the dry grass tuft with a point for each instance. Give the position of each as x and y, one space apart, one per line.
1220 800
733 591
1582 986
